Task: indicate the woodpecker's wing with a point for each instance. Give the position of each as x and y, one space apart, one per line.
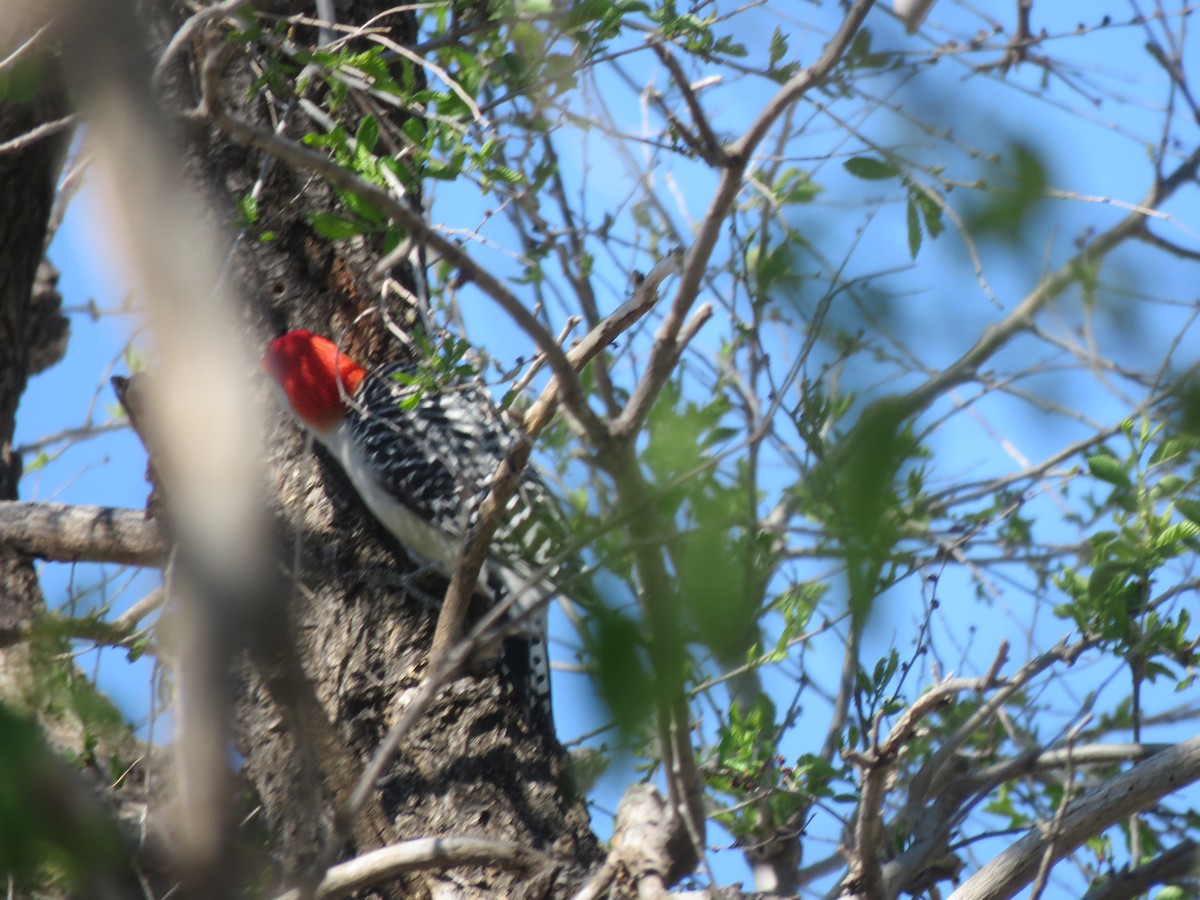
423 458
435 451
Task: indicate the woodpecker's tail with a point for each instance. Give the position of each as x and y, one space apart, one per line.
525 664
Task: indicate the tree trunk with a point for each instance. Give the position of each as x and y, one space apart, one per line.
309 720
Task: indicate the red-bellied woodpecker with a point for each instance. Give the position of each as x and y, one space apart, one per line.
421 456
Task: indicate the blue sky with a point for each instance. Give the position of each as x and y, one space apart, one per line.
935 306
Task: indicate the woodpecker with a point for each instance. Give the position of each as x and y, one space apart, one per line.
421 458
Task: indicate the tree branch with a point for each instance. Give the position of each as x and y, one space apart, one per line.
708 147
666 341
1181 861
386 863
1098 809
507 477
930 779
997 336
878 764
40 132
62 533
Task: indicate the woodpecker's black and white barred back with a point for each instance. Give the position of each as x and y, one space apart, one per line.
422 458
436 450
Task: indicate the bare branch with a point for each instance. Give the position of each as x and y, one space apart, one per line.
1050 760
878 765
25 46
1098 809
201 415
666 341
645 295
386 863
45 130
661 366
1169 247
1181 861
649 844
597 885
1049 854
63 533
804 81
708 146
929 780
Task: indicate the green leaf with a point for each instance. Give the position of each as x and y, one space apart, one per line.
505 174
1173 892
1108 468
1173 537
337 227
367 135
779 46
1174 448
39 839
135 361
1106 578
730 47
914 228
21 79
1189 509
247 210
444 171
795 186
1010 203
584 12
614 642
870 168
931 210
414 129
38 462
138 648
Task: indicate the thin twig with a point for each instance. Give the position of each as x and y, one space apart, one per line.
714 223
45 130
1056 825
507 476
25 46
929 779
708 146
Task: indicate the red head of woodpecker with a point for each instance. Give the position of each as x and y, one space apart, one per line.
357 416
315 377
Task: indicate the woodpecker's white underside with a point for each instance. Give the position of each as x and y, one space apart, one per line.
423 538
